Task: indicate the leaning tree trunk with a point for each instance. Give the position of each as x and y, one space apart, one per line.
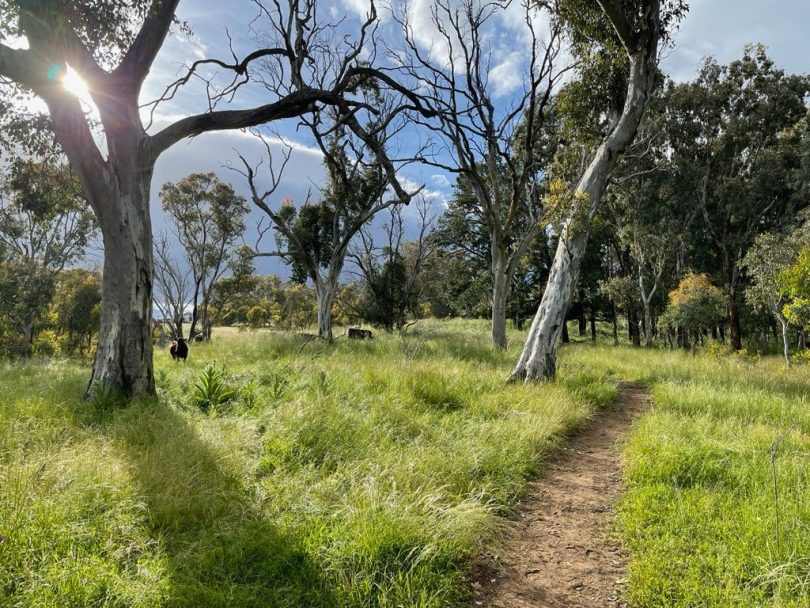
500 292
539 357
124 355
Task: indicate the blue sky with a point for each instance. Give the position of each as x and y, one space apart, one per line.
713 27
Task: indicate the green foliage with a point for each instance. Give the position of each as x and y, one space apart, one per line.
766 262
258 301
212 390
695 303
387 300
794 282
26 290
47 344
77 308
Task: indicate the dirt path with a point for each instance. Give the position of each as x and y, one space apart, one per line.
559 554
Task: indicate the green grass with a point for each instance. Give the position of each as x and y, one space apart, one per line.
373 473
699 516
356 474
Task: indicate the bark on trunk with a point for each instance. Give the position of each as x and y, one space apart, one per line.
500 293
648 325
785 340
615 324
633 329
539 357
734 320
325 294
124 355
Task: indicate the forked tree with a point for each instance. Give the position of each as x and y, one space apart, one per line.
112 46
495 141
314 237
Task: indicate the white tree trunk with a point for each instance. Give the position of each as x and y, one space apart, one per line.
500 293
325 290
539 357
785 339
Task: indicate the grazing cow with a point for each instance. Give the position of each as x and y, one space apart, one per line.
179 349
355 333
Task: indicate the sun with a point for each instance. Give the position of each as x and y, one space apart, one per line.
74 84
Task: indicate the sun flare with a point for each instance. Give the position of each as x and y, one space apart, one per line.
74 84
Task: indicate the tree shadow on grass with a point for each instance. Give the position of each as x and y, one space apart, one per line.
220 548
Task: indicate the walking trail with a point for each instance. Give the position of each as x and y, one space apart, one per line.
560 552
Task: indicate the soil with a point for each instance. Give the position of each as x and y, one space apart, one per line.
560 552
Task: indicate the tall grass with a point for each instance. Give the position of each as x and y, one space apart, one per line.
351 474
717 510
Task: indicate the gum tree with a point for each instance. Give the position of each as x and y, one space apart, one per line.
496 141
44 227
208 217
736 134
770 255
633 31
112 47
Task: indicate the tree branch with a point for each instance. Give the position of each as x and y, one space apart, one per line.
291 106
139 58
615 14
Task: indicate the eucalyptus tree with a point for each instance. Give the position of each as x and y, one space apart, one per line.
208 218
45 226
314 237
494 137
391 268
608 35
652 222
736 135
112 47
766 261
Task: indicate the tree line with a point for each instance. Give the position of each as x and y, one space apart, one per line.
593 189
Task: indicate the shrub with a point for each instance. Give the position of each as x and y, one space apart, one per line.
212 390
47 343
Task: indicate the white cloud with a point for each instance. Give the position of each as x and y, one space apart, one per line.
441 180
359 7
507 76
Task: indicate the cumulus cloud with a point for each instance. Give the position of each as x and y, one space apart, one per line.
507 76
441 180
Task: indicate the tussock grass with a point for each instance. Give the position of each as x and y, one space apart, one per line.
717 508
351 474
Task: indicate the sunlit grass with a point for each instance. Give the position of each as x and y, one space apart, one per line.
352 474
372 474
717 510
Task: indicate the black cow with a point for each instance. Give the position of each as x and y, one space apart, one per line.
355 333
179 349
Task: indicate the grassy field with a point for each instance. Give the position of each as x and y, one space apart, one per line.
372 473
717 511
357 474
